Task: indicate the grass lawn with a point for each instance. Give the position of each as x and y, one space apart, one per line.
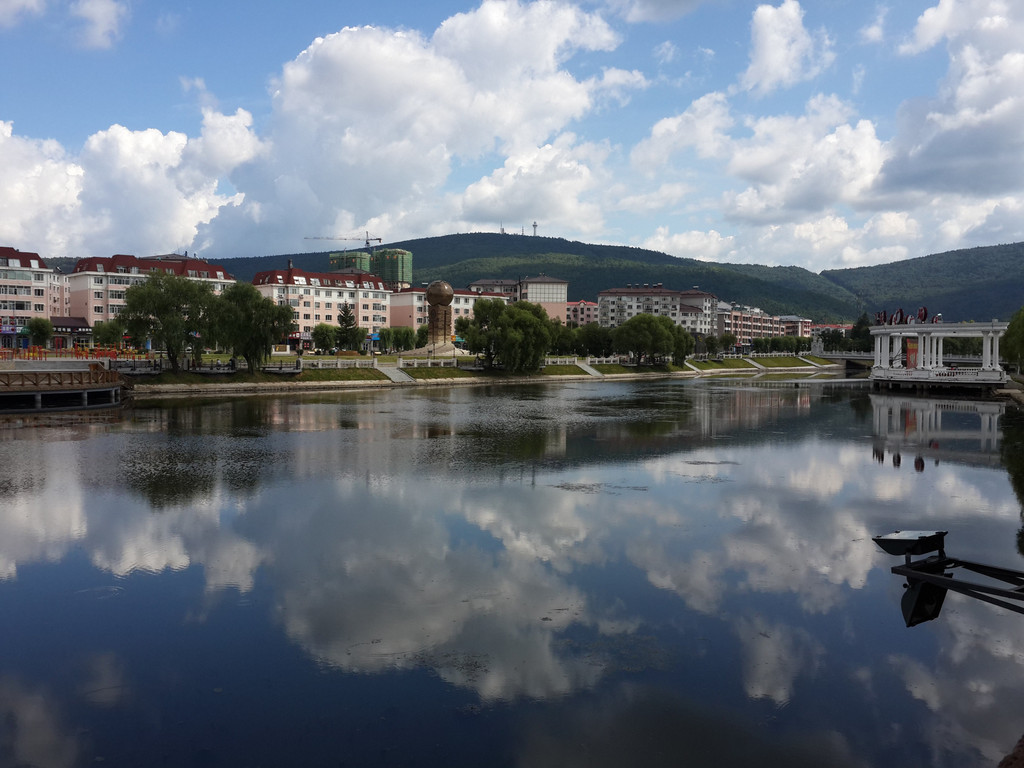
439 373
725 364
781 362
614 368
818 360
562 370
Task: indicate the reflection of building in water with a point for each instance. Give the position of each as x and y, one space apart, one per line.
963 431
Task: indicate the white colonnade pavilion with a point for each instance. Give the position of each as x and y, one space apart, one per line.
894 362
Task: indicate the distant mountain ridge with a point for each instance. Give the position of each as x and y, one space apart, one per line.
971 284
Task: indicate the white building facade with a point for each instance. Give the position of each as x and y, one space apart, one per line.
694 310
319 297
550 292
96 287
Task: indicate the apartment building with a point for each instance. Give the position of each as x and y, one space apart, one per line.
794 325
748 323
28 289
409 307
694 310
97 285
318 297
550 292
580 313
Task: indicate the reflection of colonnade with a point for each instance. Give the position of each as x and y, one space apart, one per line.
939 429
893 363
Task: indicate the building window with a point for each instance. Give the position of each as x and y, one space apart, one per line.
97 310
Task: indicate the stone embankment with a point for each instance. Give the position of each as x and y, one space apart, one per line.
223 389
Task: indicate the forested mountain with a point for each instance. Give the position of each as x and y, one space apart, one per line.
974 284
969 284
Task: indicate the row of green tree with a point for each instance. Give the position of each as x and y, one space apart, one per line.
518 336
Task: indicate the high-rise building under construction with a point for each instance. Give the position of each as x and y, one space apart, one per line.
393 266
351 260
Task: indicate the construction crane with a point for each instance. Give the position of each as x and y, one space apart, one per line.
368 239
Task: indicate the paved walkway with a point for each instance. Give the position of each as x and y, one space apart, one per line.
588 369
396 374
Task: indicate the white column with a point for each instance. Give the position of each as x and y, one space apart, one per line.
878 351
995 349
938 353
985 341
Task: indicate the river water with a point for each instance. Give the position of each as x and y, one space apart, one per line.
576 574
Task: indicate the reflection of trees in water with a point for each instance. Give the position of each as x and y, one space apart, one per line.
173 470
192 447
1012 453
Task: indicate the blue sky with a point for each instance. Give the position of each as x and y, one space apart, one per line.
822 133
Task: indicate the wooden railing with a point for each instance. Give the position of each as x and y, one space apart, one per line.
36 380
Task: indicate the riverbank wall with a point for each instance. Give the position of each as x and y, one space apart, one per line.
142 391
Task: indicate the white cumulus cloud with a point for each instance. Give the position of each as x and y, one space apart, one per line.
783 52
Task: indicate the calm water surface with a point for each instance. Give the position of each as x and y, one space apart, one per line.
607 574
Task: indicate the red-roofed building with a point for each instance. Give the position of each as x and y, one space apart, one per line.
317 297
28 289
580 313
97 285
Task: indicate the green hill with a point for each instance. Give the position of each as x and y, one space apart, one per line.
975 284
969 284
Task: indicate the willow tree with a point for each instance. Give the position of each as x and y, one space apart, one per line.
516 335
249 324
645 335
173 311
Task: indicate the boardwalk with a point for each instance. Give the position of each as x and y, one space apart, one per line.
83 386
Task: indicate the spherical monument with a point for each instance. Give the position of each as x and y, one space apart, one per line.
439 313
439 294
